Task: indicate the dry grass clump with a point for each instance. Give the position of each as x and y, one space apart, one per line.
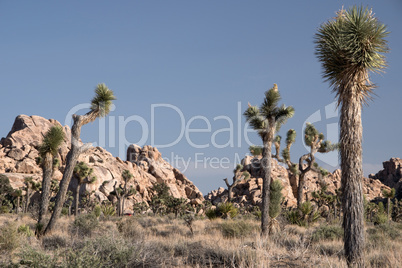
149 241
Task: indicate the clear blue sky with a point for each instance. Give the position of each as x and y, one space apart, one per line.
199 57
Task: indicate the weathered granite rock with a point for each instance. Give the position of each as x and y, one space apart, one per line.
391 175
19 149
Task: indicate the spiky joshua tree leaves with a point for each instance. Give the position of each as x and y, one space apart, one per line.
389 195
349 47
100 107
266 120
47 152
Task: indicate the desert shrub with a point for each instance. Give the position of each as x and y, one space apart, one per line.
211 213
64 211
9 237
25 230
331 249
236 229
54 242
97 211
380 260
227 210
84 224
31 257
108 210
130 228
104 251
327 232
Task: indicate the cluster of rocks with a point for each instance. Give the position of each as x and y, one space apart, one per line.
248 192
19 149
391 175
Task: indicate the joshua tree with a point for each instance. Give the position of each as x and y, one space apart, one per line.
266 120
30 188
100 106
389 195
47 151
350 46
238 176
315 141
83 175
122 192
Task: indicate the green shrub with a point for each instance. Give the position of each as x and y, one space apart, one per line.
84 224
64 211
9 237
211 213
328 232
25 230
30 257
97 211
227 210
236 229
108 210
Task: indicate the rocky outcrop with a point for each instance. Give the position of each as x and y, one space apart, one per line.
391 175
19 149
248 193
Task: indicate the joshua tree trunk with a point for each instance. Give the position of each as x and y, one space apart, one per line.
388 207
28 198
266 183
77 199
300 190
352 174
47 177
72 158
230 189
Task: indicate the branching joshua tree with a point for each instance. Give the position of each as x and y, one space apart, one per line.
30 188
122 191
47 151
83 175
100 106
267 120
349 47
316 142
238 176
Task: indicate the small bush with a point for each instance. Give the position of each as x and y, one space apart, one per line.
211 213
84 224
9 237
31 257
54 242
25 230
97 211
227 210
236 228
327 233
130 228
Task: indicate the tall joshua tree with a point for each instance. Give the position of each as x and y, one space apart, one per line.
389 195
83 175
47 151
31 187
100 107
266 120
349 47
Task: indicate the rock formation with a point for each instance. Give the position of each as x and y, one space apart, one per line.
391 175
248 193
19 150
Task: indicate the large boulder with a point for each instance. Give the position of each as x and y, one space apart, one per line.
19 149
391 175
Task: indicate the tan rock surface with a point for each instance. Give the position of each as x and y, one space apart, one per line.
19 149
